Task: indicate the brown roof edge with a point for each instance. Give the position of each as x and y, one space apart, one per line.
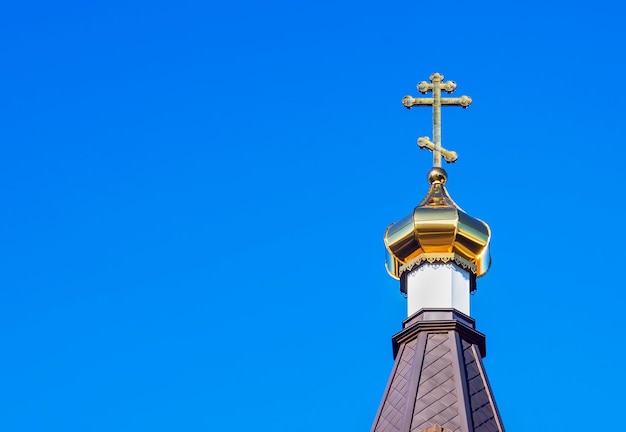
439 320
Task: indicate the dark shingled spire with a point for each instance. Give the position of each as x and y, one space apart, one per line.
438 383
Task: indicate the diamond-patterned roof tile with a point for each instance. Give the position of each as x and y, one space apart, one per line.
434 383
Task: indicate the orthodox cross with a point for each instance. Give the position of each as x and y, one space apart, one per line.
435 86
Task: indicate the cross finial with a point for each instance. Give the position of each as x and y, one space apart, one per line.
435 86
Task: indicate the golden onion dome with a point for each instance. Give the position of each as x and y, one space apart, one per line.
437 230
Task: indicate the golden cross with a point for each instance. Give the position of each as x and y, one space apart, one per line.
435 86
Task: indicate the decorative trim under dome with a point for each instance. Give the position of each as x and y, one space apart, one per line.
437 257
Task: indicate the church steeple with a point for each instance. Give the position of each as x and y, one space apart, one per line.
438 381
437 230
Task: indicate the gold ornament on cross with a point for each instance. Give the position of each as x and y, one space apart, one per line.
435 86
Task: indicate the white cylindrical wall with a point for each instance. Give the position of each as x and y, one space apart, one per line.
438 285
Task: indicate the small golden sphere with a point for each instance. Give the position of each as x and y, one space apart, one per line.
437 175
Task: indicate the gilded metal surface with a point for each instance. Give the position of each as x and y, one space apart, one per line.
449 156
441 258
437 230
436 86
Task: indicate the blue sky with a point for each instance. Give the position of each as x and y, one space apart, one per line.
194 198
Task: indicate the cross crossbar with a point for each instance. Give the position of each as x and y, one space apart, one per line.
448 155
463 101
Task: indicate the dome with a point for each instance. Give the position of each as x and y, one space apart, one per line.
437 230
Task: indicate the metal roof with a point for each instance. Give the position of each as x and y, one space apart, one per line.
438 379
